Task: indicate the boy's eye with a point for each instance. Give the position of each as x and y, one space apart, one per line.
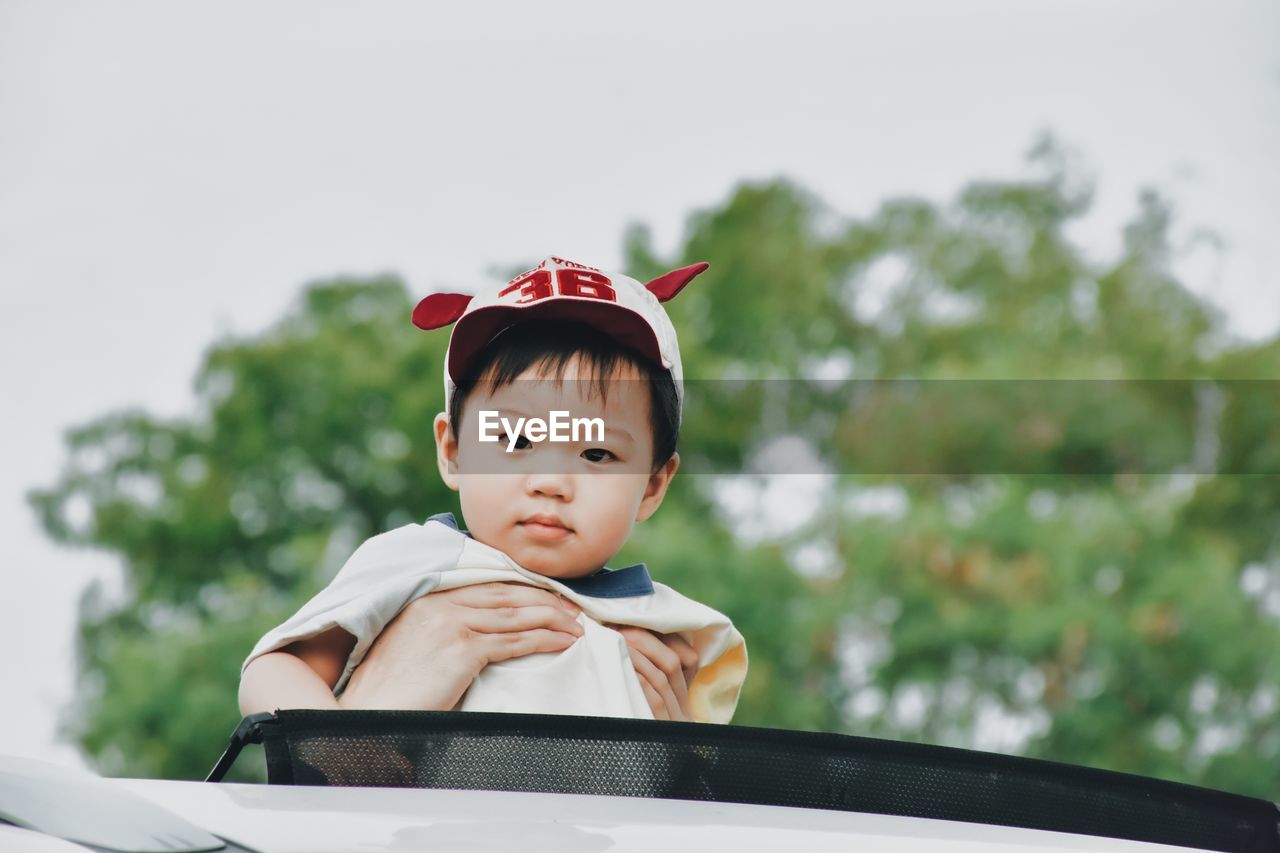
521 441
597 454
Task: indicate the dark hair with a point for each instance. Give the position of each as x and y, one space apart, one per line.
552 344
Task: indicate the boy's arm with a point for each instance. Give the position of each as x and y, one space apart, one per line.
301 675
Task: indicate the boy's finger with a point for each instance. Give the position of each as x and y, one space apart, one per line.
673 677
658 680
663 663
685 651
506 646
507 595
671 662
657 649
496 620
656 704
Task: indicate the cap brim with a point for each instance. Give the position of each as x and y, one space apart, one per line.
475 330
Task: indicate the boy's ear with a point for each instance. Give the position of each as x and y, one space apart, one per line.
446 451
656 489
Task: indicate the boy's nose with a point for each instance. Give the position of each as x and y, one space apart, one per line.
550 483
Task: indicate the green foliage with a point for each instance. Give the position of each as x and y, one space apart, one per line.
307 439
1117 618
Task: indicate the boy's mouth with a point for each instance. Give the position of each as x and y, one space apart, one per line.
546 527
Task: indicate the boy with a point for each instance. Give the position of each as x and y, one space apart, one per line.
546 507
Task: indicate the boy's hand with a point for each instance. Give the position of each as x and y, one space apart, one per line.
667 665
427 657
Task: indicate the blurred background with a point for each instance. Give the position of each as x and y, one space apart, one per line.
215 218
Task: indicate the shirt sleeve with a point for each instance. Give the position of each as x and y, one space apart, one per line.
384 574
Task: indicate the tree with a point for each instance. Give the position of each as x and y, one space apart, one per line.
999 561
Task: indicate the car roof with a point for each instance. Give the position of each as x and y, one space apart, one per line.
314 819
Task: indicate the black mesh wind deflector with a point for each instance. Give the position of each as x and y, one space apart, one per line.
736 764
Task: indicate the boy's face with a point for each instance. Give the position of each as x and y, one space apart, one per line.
561 509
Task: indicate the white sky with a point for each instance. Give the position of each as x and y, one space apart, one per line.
172 172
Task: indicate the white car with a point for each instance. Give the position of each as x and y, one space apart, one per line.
590 784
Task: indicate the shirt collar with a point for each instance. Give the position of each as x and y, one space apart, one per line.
606 583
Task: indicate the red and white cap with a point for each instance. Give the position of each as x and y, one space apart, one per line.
558 289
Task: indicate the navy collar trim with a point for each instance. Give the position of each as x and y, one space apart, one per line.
607 583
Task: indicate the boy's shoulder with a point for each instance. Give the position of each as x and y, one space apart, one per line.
435 544
447 519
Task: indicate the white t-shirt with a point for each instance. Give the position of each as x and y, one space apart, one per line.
593 677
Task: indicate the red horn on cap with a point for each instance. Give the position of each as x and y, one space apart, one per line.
667 285
440 309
